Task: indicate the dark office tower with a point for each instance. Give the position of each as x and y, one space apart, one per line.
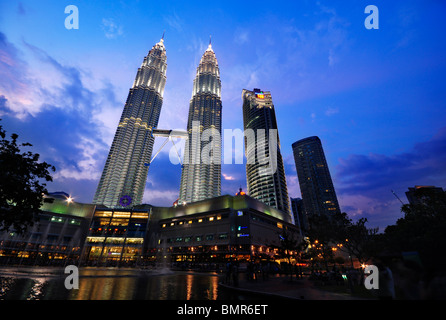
316 186
420 194
300 219
265 173
125 172
201 173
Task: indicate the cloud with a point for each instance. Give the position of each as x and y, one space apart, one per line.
241 36
331 111
174 21
227 177
49 105
163 182
16 85
313 116
364 182
111 29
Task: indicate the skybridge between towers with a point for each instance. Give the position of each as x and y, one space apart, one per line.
169 135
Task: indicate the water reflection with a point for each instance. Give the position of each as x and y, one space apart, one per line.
114 284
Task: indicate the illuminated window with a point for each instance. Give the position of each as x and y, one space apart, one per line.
140 215
95 239
218 217
211 218
190 221
103 214
134 240
200 220
76 222
164 225
57 219
240 213
223 236
121 215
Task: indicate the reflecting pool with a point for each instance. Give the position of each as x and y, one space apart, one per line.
111 284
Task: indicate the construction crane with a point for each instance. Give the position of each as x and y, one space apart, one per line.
397 197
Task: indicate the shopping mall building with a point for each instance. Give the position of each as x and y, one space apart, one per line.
213 230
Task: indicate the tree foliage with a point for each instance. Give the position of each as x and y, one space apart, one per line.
21 187
328 234
421 230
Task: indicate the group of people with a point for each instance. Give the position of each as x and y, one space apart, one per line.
256 270
231 273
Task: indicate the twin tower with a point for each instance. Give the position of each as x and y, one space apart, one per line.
125 172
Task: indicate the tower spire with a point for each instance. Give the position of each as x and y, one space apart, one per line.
210 44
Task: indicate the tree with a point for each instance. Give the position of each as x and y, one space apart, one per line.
21 187
289 247
323 232
422 229
339 231
359 241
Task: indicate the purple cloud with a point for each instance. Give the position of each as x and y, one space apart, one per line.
364 182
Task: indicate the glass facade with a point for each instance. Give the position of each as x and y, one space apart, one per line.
125 172
116 237
200 178
57 238
259 116
316 186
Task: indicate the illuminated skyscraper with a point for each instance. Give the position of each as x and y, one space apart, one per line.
316 186
125 172
265 173
201 175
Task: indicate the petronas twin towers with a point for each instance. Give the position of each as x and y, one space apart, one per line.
124 176
125 172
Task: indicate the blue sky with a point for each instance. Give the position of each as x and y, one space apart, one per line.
376 98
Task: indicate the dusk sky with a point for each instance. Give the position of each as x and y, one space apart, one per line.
376 98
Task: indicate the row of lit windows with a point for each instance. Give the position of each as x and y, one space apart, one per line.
115 240
63 219
121 214
199 238
190 221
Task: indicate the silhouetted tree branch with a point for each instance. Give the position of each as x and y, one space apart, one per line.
21 187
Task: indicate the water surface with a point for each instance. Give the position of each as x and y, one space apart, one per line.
110 284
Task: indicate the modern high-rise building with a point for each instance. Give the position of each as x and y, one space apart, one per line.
417 195
316 186
300 219
201 173
125 172
265 173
